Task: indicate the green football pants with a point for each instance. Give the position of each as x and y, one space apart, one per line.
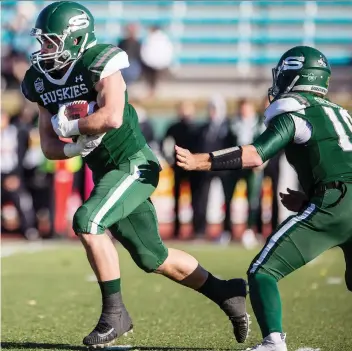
120 202
325 223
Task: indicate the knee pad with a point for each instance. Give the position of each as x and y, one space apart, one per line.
149 261
80 220
82 224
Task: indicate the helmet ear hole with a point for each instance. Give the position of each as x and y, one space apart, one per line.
77 41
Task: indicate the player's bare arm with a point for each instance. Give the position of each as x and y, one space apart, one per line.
111 100
278 134
204 161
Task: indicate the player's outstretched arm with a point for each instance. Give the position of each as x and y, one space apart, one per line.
111 100
279 133
230 159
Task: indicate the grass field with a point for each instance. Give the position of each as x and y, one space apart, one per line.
49 302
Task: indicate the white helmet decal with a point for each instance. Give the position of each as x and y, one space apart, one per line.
78 22
292 62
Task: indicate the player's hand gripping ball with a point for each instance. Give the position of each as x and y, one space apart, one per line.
80 109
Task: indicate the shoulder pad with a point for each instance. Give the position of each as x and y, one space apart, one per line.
104 60
283 105
325 101
298 96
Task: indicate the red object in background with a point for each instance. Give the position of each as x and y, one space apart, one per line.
88 182
63 182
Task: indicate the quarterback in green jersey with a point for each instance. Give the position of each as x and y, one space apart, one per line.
72 66
316 135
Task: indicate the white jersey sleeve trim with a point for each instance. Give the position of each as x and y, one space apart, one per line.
281 106
118 62
303 130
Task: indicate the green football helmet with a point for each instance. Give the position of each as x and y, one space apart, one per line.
301 68
70 27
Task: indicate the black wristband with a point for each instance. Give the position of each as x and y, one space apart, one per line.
230 159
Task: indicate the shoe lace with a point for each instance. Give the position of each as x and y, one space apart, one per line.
256 347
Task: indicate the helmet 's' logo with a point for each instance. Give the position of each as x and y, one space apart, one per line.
310 76
322 62
292 62
39 85
78 22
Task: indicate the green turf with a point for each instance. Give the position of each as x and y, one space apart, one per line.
48 304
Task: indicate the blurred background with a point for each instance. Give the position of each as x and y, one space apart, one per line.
199 76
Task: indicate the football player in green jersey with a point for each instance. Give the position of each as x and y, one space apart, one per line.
71 66
316 135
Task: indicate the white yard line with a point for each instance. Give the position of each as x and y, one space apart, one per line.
12 248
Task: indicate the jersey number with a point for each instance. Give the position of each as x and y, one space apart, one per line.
345 136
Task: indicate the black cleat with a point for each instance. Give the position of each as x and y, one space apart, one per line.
110 327
235 308
241 327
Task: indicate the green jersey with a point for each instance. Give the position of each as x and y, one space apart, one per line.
316 135
78 83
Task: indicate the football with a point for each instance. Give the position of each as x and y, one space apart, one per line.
80 109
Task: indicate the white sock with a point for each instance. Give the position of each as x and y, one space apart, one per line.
276 338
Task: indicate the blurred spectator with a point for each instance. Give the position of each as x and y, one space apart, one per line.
25 13
13 69
146 125
247 126
16 27
181 133
157 54
37 171
214 135
14 144
132 46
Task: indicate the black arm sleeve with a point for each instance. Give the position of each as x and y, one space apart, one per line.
279 133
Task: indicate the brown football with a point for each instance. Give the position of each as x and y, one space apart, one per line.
80 109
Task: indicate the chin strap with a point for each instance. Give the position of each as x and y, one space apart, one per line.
288 89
